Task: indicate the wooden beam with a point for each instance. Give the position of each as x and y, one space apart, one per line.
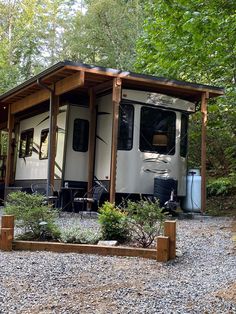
9 162
30 101
138 78
53 137
205 97
103 87
61 87
71 82
116 97
92 139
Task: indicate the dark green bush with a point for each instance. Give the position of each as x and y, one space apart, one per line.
36 220
113 223
220 186
145 220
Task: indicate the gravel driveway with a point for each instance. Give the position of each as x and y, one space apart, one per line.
202 280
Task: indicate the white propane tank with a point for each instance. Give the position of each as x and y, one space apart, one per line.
192 201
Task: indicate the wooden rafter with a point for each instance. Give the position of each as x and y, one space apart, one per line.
61 87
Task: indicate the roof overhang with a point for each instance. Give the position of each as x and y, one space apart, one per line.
70 77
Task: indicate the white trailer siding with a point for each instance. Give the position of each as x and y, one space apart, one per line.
76 162
32 168
103 138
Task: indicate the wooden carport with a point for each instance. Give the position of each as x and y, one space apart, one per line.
77 79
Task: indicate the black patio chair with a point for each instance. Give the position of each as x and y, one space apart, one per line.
92 197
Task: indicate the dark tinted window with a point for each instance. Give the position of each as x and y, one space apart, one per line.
157 131
126 124
26 143
80 135
43 154
184 136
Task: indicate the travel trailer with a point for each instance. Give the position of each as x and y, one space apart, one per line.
76 125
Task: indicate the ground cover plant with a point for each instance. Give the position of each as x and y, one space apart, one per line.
35 219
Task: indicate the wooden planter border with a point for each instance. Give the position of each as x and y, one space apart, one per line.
166 245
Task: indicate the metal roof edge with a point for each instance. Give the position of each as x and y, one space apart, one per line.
124 74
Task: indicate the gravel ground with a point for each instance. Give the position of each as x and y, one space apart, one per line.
202 280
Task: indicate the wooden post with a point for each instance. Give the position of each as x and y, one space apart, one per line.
53 137
162 249
92 138
205 97
9 163
6 239
8 221
116 97
170 231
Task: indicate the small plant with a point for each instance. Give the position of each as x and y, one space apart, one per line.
77 235
113 223
220 186
36 220
145 220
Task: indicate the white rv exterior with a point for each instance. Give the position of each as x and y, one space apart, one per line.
136 166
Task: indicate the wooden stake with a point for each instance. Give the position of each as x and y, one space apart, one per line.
116 97
6 239
170 231
8 221
205 97
162 249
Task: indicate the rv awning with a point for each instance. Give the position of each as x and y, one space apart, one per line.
78 78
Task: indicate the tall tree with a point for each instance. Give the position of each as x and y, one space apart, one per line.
195 40
105 33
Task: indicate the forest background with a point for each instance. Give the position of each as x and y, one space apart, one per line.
192 40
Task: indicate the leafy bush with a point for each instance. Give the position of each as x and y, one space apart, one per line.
220 186
36 220
113 223
77 235
145 220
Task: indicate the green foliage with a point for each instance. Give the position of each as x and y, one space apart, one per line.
113 223
220 186
195 40
103 36
36 220
77 235
145 220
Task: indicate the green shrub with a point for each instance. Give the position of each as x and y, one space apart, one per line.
145 220
113 223
220 186
36 220
77 235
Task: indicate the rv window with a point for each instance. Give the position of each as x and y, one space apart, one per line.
126 123
26 143
43 154
80 135
157 131
184 136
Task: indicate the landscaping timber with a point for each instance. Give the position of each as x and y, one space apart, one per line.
170 231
